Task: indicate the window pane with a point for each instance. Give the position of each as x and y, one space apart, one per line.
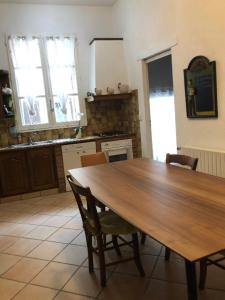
61 51
26 59
61 60
25 52
33 111
66 108
63 80
29 82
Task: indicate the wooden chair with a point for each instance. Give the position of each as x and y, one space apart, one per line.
208 261
100 224
177 159
183 160
93 159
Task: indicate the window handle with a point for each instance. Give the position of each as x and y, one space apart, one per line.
51 105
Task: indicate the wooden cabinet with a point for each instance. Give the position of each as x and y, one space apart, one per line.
28 170
14 173
42 168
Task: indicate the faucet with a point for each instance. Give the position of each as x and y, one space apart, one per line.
29 140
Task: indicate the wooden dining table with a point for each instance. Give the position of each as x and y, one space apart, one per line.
182 209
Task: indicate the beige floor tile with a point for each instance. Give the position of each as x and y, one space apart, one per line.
57 221
208 294
172 270
75 223
173 255
80 240
6 227
148 262
32 292
54 275
49 192
7 261
22 246
110 256
84 283
47 250
13 216
9 288
151 247
63 235
25 269
68 212
215 278
21 230
7 241
162 290
72 254
29 196
120 287
69 296
50 210
41 232
36 219
15 229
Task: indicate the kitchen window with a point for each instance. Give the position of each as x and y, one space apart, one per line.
45 79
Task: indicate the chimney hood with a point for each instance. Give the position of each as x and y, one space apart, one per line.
108 65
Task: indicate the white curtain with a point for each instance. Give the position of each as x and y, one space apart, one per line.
26 58
61 59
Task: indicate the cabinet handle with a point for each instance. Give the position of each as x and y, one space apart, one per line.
78 152
84 151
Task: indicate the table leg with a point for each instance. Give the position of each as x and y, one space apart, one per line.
191 280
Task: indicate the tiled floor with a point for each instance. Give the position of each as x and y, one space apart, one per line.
43 256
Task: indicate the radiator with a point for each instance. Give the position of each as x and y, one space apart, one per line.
209 161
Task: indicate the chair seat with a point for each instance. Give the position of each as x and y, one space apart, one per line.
111 223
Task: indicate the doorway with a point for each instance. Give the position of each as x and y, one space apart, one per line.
161 104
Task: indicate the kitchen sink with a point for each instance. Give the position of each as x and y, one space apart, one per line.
20 145
26 145
42 142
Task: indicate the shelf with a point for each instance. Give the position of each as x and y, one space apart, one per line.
126 96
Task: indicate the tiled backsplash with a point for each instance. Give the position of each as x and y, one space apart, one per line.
101 116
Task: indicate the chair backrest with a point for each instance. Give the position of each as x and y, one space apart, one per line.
182 160
93 159
89 213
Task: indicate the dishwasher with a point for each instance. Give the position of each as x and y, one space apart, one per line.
71 156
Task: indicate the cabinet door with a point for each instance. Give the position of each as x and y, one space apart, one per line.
14 176
42 168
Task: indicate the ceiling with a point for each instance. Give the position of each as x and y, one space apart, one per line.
64 2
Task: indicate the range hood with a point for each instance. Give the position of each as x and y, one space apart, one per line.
108 64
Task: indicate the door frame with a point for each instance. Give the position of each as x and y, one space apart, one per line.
146 131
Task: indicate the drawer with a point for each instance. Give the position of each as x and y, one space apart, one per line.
79 147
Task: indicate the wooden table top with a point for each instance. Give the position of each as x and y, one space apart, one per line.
180 208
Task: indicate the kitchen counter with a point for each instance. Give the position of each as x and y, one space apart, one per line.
66 141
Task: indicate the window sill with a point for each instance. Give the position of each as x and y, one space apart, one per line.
45 128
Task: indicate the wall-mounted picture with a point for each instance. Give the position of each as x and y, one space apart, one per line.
200 88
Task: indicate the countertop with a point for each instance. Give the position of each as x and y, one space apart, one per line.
65 141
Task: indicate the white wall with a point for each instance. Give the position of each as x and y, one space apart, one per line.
198 27
85 22
200 30
147 26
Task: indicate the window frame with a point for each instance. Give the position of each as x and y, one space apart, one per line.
47 86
